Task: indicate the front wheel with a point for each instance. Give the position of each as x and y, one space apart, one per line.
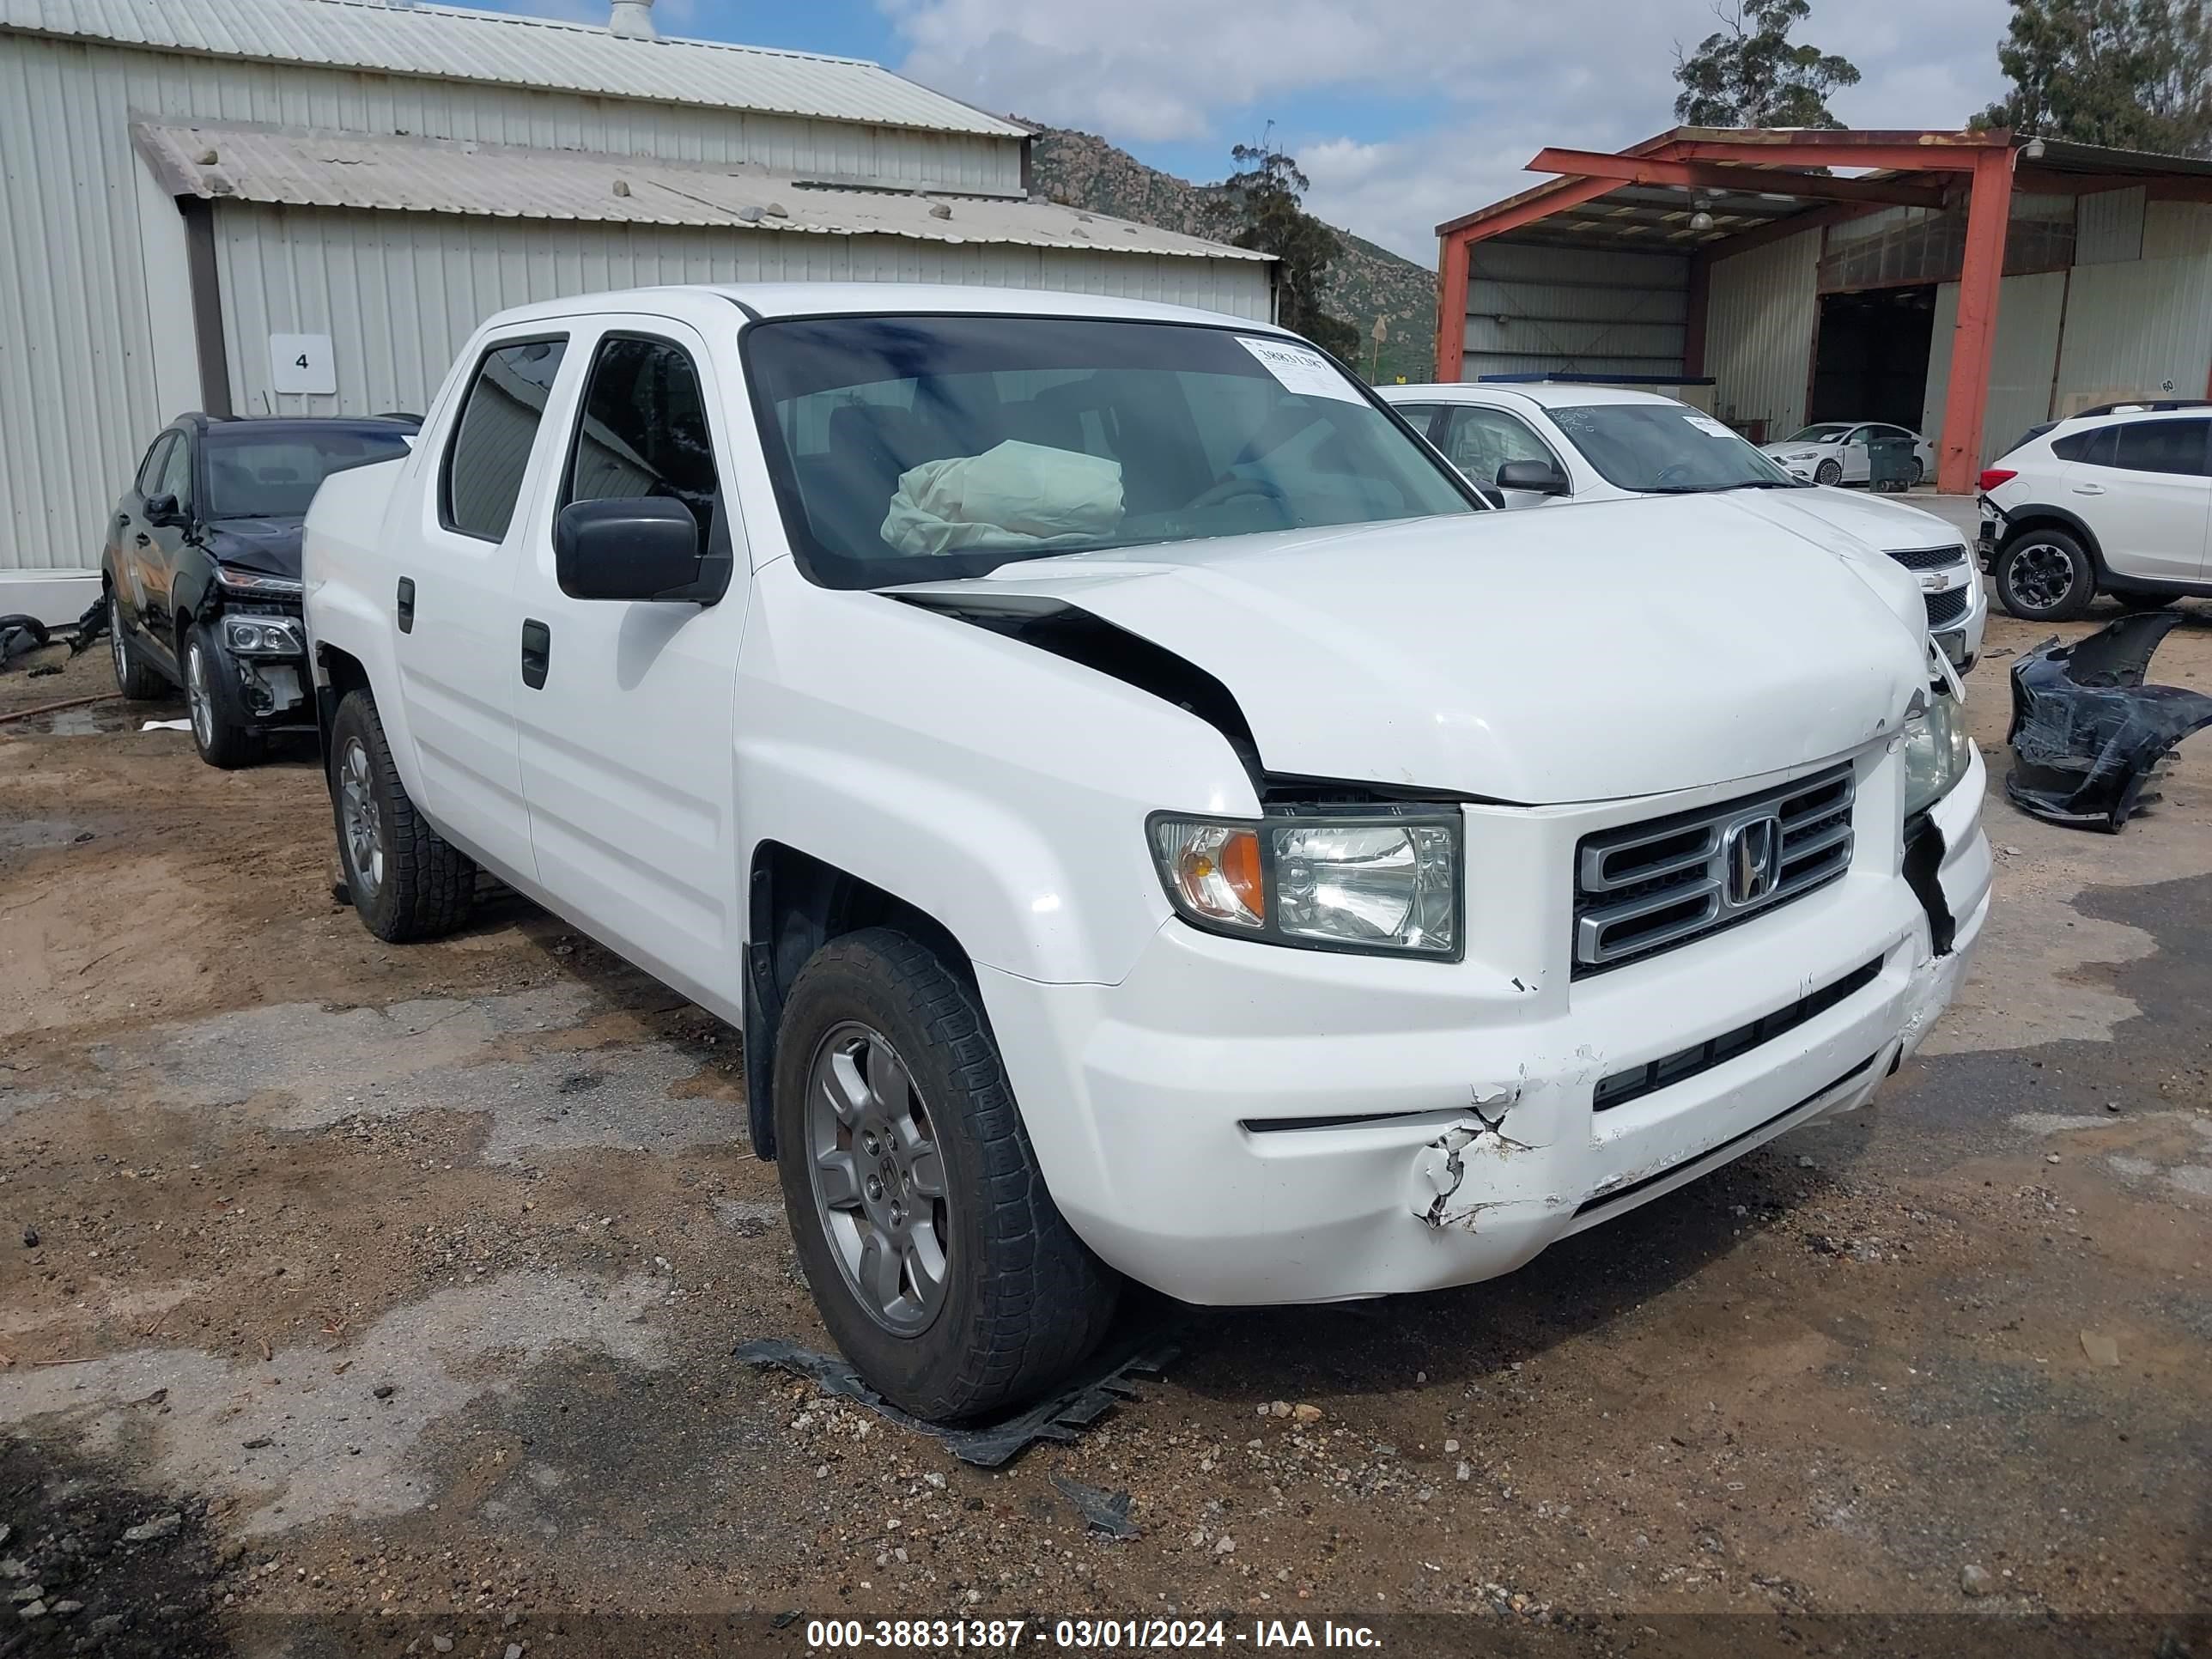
2044 576
219 729
406 880
937 1257
1830 473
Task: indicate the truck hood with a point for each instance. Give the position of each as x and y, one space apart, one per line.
1873 522
1618 649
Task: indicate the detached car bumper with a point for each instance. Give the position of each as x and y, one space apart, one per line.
1239 1124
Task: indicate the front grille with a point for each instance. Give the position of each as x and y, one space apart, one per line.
1638 1081
1944 609
1650 887
1929 558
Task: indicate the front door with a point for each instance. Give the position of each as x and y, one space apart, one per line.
626 715
453 601
162 545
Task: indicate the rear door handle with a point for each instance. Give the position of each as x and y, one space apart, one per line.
405 606
536 653
2089 490
144 540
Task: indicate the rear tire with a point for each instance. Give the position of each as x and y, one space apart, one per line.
406 880
895 1124
219 728
2043 575
136 682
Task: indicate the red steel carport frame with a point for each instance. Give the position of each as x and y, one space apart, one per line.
1780 162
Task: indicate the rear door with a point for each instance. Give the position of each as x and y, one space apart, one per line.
627 717
2145 489
453 599
163 544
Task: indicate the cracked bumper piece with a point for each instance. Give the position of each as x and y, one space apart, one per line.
2087 735
1233 1124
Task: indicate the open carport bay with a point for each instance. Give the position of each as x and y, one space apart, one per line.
406 1280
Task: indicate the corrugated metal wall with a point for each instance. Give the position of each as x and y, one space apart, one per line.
1532 308
2141 329
2022 366
2109 226
399 292
78 397
1761 307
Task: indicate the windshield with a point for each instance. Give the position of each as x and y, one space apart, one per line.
271 475
1667 449
1818 435
919 448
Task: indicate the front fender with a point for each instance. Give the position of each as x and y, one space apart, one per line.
999 789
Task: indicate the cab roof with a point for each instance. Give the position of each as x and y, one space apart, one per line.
765 301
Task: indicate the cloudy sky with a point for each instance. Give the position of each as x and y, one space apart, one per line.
1403 113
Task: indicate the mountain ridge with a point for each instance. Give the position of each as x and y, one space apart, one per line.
1366 280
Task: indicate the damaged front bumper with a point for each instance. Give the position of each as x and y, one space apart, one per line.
2087 735
264 650
1235 1125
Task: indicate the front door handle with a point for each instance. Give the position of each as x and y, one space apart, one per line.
144 540
536 653
404 606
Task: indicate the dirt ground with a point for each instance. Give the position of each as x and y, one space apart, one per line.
367 1298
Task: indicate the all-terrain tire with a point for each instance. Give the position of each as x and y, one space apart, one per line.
421 886
2043 575
1024 1299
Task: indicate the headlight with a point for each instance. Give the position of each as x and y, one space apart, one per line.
263 636
1937 752
1380 881
1803 455
241 581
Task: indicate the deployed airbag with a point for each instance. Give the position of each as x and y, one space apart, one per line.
2088 734
1015 496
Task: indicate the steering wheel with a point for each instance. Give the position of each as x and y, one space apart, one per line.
1668 475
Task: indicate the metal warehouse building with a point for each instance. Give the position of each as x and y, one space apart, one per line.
304 206
1967 284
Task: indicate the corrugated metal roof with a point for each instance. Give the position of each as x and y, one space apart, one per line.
293 166
451 44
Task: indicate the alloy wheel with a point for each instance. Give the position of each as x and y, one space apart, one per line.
363 824
2042 576
877 1178
198 695
120 651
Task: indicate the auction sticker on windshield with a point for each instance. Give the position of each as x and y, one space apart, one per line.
1707 424
1301 369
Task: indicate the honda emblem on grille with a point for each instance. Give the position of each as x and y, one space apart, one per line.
1753 857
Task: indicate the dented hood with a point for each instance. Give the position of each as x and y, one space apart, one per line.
1539 658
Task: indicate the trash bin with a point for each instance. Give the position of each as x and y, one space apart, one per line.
1889 463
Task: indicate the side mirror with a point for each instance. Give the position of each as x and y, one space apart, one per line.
643 548
1539 478
162 510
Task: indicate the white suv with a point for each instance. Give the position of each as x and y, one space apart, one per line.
1531 444
2112 501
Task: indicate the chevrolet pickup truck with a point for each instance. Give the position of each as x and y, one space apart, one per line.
1149 817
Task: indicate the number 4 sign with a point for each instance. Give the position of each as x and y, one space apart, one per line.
302 363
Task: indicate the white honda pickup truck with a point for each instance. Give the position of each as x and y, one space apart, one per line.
1148 817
